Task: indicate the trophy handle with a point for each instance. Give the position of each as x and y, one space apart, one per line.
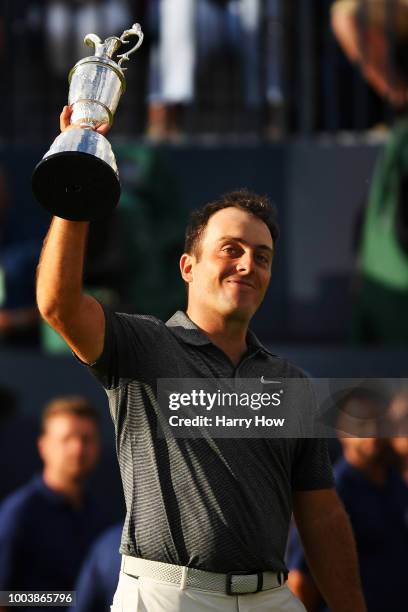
135 30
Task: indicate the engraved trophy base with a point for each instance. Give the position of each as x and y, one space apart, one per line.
77 179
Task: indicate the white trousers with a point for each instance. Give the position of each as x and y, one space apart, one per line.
186 24
177 50
147 595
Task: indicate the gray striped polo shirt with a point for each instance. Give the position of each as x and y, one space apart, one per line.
216 504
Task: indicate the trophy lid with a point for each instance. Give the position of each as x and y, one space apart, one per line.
107 48
104 51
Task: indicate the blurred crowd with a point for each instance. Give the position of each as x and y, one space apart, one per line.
55 537
371 475
243 68
182 37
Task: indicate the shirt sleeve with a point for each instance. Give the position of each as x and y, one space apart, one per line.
130 345
312 467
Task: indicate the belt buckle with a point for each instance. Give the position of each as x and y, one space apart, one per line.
229 582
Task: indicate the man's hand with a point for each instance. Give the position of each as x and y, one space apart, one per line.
65 118
303 586
330 550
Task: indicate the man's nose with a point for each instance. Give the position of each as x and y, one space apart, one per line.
78 445
246 263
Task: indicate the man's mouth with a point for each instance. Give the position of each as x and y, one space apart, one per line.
240 281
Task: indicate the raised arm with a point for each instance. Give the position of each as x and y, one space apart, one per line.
77 317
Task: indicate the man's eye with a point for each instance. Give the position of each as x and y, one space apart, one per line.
230 250
263 259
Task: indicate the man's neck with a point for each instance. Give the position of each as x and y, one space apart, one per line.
228 334
72 490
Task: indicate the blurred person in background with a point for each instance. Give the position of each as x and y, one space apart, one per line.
376 500
188 33
48 525
151 191
374 35
98 578
172 66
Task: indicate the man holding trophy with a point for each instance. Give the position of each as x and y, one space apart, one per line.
207 519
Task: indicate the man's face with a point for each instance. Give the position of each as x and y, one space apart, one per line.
231 271
69 447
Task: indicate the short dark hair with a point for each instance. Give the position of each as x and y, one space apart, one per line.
71 404
250 202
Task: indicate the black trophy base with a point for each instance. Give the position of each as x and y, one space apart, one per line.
76 186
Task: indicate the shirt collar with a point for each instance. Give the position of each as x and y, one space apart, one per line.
183 327
52 495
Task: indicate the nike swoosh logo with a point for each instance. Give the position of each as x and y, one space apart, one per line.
265 381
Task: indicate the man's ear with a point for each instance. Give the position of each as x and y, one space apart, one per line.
186 267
